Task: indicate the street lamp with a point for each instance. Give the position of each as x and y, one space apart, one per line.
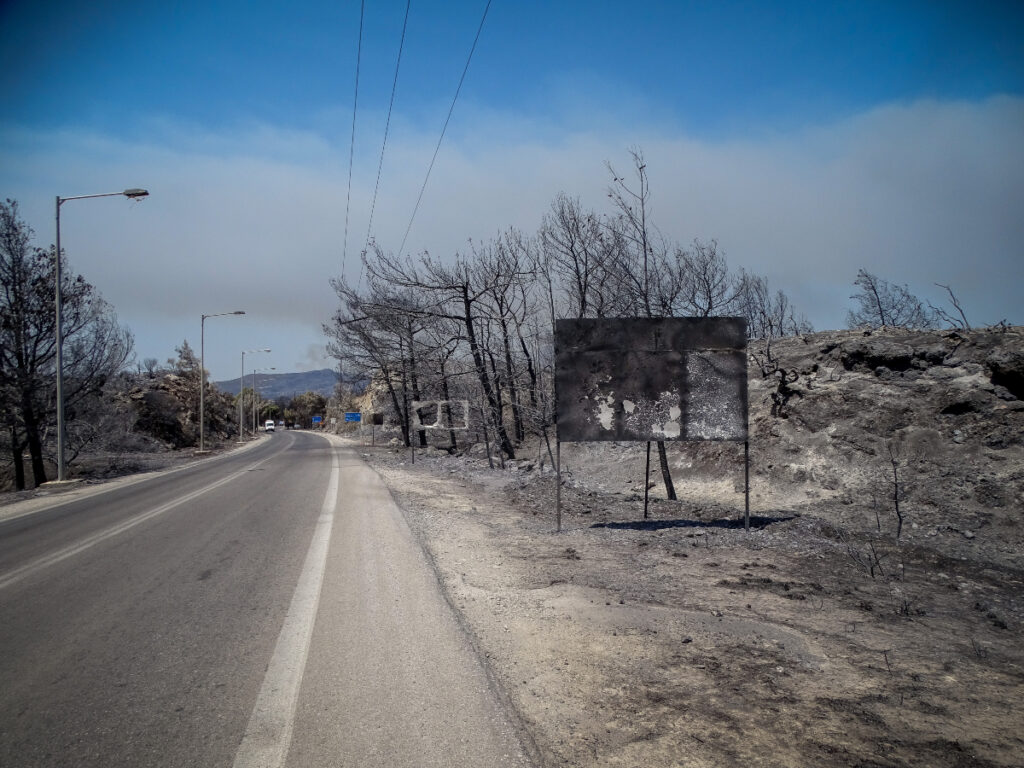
255 394
202 371
241 384
132 193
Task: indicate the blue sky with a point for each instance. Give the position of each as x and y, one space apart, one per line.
809 139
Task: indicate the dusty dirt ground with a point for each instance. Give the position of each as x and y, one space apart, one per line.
685 641
832 634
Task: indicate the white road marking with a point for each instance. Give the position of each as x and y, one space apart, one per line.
63 554
269 733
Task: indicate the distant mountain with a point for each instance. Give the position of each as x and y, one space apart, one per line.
274 385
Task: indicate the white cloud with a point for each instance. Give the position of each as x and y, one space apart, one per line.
254 219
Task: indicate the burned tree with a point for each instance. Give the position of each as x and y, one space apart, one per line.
443 347
458 292
578 255
501 268
884 304
95 345
373 340
959 320
635 238
481 322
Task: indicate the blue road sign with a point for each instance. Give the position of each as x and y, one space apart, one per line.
353 416
317 419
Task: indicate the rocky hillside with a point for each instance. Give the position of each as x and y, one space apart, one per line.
947 408
166 407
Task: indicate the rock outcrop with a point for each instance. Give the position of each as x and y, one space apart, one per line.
835 410
167 408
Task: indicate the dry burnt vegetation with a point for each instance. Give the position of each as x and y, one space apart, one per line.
871 617
139 421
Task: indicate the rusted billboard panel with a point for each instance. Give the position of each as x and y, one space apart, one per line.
651 379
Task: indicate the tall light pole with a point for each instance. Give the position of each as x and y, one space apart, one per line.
202 372
241 384
255 394
133 193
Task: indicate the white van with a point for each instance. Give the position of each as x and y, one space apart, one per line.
269 426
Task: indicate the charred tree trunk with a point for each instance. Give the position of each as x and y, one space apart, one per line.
513 394
481 370
666 475
499 392
452 446
35 443
414 381
402 420
487 439
406 421
17 459
530 371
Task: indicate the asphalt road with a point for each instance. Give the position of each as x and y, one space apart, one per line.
264 608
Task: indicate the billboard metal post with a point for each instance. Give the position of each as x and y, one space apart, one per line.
558 484
647 477
746 485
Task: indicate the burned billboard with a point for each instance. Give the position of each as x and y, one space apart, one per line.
644 379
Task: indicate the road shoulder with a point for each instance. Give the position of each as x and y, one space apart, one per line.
392 678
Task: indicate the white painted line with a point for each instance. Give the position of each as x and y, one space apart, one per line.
269 733
63 554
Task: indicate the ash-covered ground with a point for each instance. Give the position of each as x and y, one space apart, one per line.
837 632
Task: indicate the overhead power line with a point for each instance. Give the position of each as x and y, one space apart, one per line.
387 126
445 128
352 144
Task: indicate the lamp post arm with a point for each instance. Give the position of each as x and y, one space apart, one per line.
133 193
